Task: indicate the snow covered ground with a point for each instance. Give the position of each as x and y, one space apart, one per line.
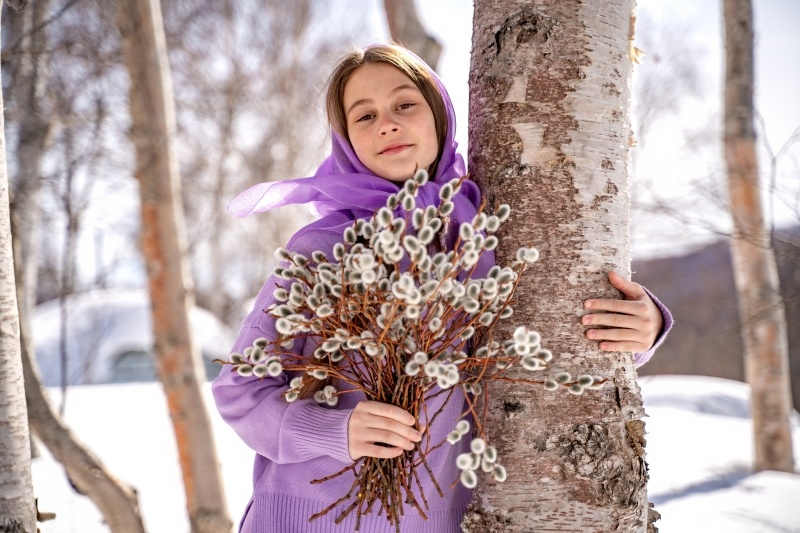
698 445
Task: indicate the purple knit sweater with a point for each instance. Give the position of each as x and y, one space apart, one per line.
298 442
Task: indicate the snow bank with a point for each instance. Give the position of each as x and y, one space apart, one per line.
698 445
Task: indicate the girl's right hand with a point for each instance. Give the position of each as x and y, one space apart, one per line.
376 422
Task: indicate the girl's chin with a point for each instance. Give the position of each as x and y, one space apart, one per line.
396 177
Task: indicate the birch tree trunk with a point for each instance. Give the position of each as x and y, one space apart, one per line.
163 244
17 506
406 29
761 308
549 135
29 29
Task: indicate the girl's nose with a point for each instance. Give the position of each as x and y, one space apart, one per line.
389 125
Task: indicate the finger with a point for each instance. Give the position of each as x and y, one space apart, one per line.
615 320
624 346
616 334
389 411
381 452
630 289
387 424
627 307
387 437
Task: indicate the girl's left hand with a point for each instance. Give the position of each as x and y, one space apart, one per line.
635 322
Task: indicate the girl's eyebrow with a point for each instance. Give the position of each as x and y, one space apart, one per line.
365 101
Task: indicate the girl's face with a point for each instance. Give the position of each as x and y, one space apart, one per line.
389 123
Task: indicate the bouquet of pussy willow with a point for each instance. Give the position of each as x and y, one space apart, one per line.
403 335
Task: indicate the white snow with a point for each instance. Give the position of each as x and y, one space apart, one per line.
700 449
698 445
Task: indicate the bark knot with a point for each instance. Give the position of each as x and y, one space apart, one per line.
652 517
636 434
523 27
582 448
594 451
512 408
478 520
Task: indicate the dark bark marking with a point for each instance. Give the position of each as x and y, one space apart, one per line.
512 408
9 524
504 172
612 89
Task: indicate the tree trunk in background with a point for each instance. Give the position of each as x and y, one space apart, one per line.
117 502
549 135
760 305
29 30
163 244
406 29
17 506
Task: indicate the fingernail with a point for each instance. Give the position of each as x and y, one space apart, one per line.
587 304
591 334
587 320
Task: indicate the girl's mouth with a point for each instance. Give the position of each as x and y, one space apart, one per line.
394 149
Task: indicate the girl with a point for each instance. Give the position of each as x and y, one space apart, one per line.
389 114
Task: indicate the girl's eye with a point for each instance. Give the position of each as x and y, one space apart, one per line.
364 117
406 105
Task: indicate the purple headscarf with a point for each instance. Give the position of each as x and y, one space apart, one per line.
344 189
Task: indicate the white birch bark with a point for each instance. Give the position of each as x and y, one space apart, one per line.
755 272
17 506
549 135
163 241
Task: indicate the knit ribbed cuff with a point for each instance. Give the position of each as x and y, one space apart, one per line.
641 358
321 431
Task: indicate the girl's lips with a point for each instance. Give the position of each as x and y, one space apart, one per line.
394 149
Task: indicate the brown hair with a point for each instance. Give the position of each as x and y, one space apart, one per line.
405 62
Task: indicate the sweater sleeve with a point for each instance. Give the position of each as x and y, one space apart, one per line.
640 358
282 432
